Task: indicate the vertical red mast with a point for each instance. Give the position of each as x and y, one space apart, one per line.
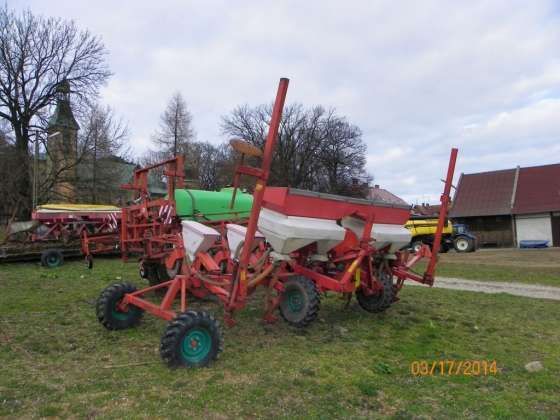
262 179
445 200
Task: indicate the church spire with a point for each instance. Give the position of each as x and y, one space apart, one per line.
62 131
63 117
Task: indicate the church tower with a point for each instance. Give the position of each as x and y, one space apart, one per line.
62 144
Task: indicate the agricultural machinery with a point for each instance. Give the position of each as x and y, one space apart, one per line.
54 231
295 246
454 235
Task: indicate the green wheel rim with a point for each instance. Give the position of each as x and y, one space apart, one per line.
196 345
53 260
295 300
121 316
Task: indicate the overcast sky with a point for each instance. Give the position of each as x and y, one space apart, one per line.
417 77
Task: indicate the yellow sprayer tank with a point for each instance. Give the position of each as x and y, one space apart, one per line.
419 227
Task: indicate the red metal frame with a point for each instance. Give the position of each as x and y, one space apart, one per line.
305 204
146 224
148 227
354 264
67 225
355 253
205 275
358 255
241 277
445 200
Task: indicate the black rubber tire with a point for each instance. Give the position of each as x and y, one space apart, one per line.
178 330
52 258
157 273
142 271
109 316
304 290
162 273
168 273
379 302
463 244
89 262
150 272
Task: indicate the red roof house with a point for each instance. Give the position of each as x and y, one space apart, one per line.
484 194
538 190
506 207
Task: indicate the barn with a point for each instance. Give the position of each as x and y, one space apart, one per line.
503 208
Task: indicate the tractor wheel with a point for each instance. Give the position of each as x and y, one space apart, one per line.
52 258
142 270
168 273
380 301
109 315
150 272
192 339
157 273
463 244
299 305
164 273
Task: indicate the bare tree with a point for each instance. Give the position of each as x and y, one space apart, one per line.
4 133
316 149
175 135
36 54
209 164
342 158
8 173
175 131
103 140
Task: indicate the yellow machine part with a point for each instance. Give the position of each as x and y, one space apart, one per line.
77 207
419 227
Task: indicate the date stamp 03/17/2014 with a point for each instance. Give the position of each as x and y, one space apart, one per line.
454 368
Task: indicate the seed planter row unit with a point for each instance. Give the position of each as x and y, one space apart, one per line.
295 245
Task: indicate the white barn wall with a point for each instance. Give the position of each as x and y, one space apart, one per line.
533 227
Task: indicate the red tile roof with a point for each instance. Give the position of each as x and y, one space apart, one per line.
484 194
538 190
381 194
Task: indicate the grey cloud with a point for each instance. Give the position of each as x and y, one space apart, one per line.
417 77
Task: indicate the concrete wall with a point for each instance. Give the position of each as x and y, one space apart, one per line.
533 227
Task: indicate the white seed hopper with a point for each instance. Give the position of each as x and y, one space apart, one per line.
384 234
236 235
290 233
198 237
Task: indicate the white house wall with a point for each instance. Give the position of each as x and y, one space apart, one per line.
533 227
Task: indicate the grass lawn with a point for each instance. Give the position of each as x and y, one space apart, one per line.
58 361
538 266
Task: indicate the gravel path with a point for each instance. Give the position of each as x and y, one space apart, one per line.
517 289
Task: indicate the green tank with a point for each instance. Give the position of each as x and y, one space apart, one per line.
203 205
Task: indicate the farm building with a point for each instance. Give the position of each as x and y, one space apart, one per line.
426 210
376 193
503 208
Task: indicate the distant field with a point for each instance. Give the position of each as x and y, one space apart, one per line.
58 361
539 266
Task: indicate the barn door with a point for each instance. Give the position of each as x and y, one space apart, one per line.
555 219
